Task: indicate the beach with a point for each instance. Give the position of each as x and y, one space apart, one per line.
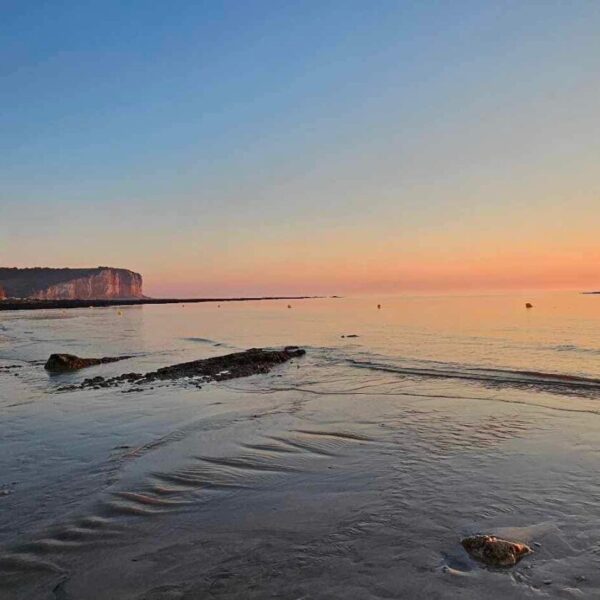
352 471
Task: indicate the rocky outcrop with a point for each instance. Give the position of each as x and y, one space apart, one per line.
71 284
229 366
494 551
218 368
61 363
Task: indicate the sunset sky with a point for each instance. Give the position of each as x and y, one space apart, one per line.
224 148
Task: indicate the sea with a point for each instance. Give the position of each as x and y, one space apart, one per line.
352 472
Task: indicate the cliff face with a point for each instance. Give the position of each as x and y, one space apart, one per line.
71 284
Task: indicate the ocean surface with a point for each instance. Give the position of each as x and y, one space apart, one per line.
352 472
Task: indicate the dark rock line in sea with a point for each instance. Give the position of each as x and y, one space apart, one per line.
66 304
218 368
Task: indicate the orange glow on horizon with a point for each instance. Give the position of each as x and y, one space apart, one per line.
379 275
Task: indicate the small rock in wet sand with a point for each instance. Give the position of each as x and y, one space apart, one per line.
494 551
59 363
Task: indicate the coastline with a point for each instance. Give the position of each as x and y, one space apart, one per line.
26 304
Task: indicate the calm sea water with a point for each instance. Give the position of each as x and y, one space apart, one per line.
350 473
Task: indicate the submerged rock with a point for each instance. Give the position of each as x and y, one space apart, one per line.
217 368
59 363
494 551
229 366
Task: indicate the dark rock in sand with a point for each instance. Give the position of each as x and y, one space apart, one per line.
494 551
218 368
59 363
229 366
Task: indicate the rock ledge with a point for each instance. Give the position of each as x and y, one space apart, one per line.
61 363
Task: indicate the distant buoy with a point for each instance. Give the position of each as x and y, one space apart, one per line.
289 306
529 305
379 306
120 313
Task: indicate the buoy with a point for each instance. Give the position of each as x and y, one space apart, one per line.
289 306
529 305
120 313
379 306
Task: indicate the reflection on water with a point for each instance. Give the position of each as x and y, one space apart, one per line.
350 474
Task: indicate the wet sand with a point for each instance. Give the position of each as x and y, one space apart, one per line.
293 485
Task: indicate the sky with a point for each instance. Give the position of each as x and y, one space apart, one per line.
306 147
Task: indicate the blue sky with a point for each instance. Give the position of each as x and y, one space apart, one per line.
215 143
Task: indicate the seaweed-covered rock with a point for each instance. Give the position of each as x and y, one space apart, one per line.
229 366
59 363
218 368
494 551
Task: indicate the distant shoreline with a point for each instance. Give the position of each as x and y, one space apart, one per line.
65 304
